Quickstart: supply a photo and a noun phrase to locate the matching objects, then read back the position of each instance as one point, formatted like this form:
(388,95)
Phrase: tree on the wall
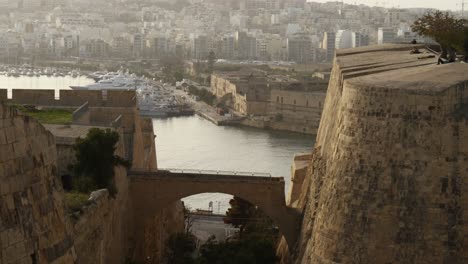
(211,61)
(240,213)
(96,160)
(444,28)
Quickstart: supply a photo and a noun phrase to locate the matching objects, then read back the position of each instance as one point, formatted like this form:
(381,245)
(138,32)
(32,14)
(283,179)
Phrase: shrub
(74,201)
(180,247)
(94,168)
(204,95)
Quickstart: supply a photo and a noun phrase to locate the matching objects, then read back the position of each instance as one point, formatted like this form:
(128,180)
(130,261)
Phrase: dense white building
(386,35)
(300,48)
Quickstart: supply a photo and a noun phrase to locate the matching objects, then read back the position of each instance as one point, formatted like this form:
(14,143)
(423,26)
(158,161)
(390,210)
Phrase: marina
(154,99)
(30,71)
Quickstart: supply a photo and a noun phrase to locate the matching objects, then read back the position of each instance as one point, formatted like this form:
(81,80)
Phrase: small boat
(13,73)
(74,74)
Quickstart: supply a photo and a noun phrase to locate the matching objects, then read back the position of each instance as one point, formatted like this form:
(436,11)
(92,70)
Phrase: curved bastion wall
(33,226)
(388,179)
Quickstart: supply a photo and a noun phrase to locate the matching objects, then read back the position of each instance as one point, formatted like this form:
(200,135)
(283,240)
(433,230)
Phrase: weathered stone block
(386,139)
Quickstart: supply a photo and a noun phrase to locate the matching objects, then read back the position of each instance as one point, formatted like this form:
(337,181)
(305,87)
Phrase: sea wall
(388,177)
(70,98)
(303,126)
(33,226)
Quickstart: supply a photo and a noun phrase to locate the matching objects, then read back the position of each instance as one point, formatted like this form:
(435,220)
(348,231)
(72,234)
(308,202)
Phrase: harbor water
(195,143)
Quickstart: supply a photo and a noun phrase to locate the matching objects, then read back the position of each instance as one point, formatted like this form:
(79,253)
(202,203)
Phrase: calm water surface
(195,143)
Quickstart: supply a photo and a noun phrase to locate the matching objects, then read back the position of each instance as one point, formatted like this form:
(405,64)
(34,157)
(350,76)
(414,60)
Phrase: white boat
(48,72)
(119,82)
(13,73)
(74,74)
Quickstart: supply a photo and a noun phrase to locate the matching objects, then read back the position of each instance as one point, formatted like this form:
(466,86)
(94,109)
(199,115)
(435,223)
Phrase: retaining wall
(70,98)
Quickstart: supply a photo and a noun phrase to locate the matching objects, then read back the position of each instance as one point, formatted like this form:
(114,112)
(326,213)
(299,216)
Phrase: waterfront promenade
(208,112)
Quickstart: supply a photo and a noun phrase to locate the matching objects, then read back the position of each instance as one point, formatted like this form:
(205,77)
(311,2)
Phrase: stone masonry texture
(32,221)
(388,180)
(34,227)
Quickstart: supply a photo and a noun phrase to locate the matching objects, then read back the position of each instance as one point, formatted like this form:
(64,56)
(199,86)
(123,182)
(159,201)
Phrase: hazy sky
(440,4)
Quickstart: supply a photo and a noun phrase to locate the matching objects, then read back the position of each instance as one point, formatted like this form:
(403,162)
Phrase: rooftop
(67,134)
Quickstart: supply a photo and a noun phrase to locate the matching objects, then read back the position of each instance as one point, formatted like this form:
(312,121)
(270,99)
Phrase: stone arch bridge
(152,191)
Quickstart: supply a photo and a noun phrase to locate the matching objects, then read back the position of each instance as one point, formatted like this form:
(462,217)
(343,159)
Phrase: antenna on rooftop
(463,8)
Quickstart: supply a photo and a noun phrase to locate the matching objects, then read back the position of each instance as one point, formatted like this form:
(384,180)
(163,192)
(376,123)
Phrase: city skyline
(443,5)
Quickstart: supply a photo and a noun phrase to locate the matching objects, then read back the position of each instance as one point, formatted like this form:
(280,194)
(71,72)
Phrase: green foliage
(211,61)
(251,221)
(205,95)
(246,251)
(95,161)
(172,68)
(228,67)
(84,184)
(443,28)
(257,245)
(240,213)
(47,116)
(74,201)
(178,76)
(180,248)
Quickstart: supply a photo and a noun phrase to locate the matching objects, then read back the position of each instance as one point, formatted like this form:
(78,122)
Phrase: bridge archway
(153,191)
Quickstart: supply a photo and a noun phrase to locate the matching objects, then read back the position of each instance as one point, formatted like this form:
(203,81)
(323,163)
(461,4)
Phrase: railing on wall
(117,122)
(205,172)
(78,113)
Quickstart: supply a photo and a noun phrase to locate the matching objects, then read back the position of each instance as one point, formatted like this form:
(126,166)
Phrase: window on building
(294,101)
(307,103)
(320,104)
(281,99)
(277,99)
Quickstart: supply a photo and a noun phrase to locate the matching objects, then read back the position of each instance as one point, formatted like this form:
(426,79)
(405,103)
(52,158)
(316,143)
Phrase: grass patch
(48,116)
(75,201)
(204,95)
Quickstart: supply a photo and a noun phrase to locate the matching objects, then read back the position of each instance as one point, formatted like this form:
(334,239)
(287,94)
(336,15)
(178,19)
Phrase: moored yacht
(118,82)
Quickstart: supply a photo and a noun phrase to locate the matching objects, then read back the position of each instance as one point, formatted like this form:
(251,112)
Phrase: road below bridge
(152,191)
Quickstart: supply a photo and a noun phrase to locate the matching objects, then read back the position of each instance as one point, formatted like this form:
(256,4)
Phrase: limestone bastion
(33,227)
(388,179)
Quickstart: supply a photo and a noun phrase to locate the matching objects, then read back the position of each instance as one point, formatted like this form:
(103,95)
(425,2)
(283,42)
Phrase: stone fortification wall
(103,230)
(33,226)
(102,227)
(71,98)
(43,97)
(388,178)
(298,174)
(148,142)
(158,229)
(3,95)
(104,116)
(290,109)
